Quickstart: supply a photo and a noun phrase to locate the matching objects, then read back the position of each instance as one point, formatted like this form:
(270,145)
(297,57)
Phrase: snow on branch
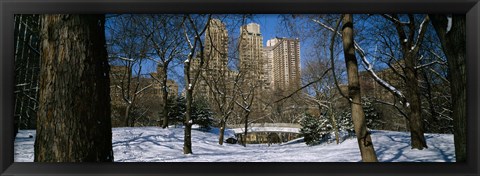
(428,64)
(439,75)
(143,89)
(369,66)
(319,102)
(23,84)
(186,37)
(245,108)
(421,33)
(122,58)
(449,26)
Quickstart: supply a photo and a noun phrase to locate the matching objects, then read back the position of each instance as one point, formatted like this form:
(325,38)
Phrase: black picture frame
(10,7)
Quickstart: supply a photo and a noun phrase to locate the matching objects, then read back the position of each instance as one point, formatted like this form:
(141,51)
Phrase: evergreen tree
(345,122)
(314,130)
(371,114)
(202,115)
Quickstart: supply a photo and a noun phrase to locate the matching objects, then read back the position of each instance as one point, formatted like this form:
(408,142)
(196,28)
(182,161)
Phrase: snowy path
(152,144)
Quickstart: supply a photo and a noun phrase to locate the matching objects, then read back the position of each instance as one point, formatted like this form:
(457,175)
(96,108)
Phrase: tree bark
(222,132)
(358,116)
(73,123)
(127,115)
(454,46)
(410,48)
(165,96)
(333,121)
(415,107)
(246,130)
(187,143)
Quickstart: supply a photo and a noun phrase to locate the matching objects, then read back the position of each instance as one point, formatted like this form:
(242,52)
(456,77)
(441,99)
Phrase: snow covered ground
(153,144)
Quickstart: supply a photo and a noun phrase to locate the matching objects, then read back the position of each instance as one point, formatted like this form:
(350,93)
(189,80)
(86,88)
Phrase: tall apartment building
(251,52)
(268,67)
(284,57)
(215,55)
(216,46)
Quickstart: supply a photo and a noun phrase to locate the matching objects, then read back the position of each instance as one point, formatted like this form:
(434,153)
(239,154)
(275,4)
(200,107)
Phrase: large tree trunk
(358,116)
(410,46)
(73,123)
(454,47)
(415,120)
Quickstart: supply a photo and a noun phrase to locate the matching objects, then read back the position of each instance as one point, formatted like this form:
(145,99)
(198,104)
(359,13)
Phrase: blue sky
(269,27)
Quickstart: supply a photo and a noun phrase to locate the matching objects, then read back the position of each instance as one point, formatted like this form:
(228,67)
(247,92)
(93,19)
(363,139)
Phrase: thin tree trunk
(187,144)
(73,123)
(246,130)
(127,116)
(454,47)
(358,116)
(222,132)
(165,97)
(334,124)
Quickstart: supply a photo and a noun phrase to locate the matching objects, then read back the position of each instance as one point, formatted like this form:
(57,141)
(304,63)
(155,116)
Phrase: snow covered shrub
(372,117)
(314,130)
(345,122)
(176,110)
(201,113)
(371,114)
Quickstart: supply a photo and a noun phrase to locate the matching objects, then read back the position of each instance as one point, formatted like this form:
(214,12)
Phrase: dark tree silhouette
(453,39)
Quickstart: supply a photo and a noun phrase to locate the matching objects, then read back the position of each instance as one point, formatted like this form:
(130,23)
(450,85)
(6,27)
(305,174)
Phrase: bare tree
(323,92)
(127,50)
(73,121)
(196,28)
(222,81)
(410,44)
(167,44)
(246,93)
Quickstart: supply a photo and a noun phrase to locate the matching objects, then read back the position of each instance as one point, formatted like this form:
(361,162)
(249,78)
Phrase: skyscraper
(251,52)
(285,72)
(215,58)
(216,46)
(268,68)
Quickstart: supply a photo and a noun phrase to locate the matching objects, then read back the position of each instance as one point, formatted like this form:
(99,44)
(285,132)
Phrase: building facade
(156,90)
(215,60)
(284,57)
(251,54)
(268,68)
